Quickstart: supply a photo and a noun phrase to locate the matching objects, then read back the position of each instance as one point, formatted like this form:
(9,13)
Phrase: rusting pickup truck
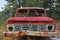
(30,22)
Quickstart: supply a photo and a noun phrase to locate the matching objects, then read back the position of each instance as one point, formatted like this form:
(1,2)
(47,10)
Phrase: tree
(52,12)
(8,10)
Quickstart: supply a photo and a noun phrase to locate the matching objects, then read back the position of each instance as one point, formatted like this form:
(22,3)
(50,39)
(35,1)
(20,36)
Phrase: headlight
(49,27)
(10,27)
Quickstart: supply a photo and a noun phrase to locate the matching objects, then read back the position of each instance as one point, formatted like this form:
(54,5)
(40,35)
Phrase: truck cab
(30,21)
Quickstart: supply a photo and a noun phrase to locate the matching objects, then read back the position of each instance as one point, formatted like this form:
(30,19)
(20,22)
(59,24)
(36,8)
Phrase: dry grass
(2,37)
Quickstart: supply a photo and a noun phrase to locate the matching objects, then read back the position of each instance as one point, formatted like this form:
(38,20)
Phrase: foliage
(12,5)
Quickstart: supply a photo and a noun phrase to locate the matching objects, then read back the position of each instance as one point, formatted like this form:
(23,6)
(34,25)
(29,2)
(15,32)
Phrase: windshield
(23,13)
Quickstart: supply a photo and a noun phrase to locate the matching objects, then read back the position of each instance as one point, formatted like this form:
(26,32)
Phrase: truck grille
(30,27)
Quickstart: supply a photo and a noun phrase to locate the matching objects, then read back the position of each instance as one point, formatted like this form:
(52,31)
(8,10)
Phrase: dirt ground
(58,28)
(57,25)
(7,38)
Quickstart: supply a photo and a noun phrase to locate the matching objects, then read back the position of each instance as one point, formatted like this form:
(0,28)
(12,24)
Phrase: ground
(7,38)
(58,28)
(2,37)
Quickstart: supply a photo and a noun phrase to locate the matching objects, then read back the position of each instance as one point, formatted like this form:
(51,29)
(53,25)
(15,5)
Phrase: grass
(2,29)
(2,37)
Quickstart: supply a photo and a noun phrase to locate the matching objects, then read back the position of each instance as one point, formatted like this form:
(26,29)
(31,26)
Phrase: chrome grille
(38,27)
(17,27)
(30,27)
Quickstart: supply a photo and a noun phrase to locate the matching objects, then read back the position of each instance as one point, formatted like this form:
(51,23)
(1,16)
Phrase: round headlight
(10,28)
(50,28)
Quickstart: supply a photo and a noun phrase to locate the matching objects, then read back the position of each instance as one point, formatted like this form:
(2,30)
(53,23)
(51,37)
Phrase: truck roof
(32,8)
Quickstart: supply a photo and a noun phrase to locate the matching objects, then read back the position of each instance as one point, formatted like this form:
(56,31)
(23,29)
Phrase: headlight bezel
(10,25)
(53,26)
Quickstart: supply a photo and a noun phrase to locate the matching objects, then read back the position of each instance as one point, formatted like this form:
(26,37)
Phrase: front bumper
(14,34)
(44,34)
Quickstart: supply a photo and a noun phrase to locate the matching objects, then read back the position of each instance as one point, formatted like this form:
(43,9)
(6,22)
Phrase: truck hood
(30,19)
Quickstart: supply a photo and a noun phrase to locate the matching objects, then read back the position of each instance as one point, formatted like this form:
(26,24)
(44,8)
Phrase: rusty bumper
(16,34)
(44,34)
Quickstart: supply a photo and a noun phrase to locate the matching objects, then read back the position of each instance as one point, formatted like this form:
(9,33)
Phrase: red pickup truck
(30,22)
